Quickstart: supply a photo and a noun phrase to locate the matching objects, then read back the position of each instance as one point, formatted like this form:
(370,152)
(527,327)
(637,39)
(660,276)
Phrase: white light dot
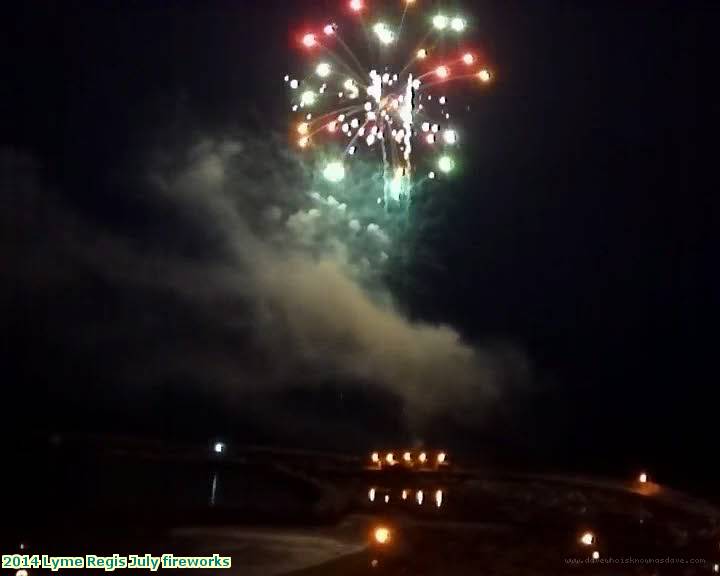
(457,24)
(440,22)
(323,70)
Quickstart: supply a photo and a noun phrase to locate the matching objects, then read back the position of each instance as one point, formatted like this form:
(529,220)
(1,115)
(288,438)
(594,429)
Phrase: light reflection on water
(213,488)
(406,496)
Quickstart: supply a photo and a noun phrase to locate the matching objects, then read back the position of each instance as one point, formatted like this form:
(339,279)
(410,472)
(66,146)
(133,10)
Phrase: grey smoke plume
(307,263)
(282,283)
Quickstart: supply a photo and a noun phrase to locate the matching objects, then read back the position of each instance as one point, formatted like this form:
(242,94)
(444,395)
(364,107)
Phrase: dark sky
(580,230)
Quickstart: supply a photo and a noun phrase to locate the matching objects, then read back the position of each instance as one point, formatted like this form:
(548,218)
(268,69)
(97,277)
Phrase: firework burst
(387,99)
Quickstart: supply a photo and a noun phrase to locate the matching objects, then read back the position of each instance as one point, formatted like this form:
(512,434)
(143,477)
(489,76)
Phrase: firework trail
(393,108)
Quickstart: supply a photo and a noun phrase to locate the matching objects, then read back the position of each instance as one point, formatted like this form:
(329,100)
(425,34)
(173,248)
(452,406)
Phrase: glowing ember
(323,70)
(334,172)
(440,22)
(446,164)
(484,76)
(457,24)
(382,535)
(307,98)
(384,33)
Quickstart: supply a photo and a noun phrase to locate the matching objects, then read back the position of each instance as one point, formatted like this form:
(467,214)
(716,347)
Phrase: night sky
(578,234)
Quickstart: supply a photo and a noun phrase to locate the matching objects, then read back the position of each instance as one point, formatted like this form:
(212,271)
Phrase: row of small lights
(406,457)
(419,496)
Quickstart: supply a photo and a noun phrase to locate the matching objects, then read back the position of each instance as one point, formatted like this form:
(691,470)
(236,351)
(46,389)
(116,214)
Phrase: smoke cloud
(309,268)
(281,281)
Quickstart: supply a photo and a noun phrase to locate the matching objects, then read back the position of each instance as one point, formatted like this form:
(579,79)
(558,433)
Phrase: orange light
(468,59)
(375,457)
(407,457)
(484,76)
(371,494)
(643,478)
(441,458)
(439,498)
(442,72)
(422,54)
(390,458)
(587,539)
(382,535)
(404,494)
(422,457)
(303,142)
